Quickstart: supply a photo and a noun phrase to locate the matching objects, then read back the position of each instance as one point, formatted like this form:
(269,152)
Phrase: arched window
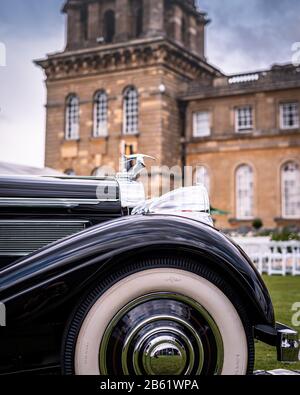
(72,118)
(139,22)
(244,192)
(290,187)
(131,111)
(202,177)
(109,26)
(100,115)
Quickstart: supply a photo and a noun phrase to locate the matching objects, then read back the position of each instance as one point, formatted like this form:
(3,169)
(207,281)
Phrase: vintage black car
(90,287)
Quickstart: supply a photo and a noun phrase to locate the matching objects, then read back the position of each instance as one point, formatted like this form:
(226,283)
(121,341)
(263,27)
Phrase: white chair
(256,253)
(295,258)
(272,257)
(277,259)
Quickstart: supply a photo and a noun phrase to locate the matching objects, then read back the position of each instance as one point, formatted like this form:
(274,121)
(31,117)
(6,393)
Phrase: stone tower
(117,84)
(94,22)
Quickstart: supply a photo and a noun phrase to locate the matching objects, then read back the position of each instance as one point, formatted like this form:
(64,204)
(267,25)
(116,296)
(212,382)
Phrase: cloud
(29,29)
(30,18)
(22,100)
(243,36)
(253,34)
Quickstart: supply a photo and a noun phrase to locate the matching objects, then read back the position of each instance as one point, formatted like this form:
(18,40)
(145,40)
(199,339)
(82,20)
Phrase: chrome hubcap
(161,334)
(164,355)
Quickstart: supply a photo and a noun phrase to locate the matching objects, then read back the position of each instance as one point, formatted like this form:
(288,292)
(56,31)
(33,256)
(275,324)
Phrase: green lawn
(285,291)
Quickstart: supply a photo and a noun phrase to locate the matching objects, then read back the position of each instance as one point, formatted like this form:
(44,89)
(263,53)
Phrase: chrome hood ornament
(132,192)
(133,172)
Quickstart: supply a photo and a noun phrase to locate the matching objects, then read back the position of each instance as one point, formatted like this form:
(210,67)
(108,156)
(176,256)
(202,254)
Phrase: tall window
(243,119)
(131,111)
(139,22)
(184,33)
(109,26)
(72,118)
(84,16)
(201,124)
(290,181)
(289,116)
(128,149)
(100,115)
(244,192)
(202,177)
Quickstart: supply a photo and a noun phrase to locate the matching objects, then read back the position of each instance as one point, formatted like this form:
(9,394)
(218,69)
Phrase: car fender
(50,276)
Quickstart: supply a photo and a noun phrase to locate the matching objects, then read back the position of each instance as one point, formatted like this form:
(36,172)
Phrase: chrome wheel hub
(164,355)
(161,334)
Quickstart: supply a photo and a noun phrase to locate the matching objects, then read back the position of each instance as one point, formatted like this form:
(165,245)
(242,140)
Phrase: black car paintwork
(97,200)
(41,290)
(48,278)
(59,187)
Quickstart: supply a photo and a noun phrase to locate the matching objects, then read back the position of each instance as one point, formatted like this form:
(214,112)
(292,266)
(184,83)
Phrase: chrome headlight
(191,202)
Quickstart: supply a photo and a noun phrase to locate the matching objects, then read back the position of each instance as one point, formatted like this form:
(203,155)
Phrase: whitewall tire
(166,320)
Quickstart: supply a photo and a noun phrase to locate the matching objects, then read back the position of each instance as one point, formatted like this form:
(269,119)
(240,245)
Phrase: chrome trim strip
(50,202)
(43,221)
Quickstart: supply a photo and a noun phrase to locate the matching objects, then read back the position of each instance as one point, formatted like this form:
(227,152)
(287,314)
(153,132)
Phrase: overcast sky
(244,35)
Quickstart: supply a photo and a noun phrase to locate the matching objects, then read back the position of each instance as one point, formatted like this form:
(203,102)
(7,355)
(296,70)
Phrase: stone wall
(159,18)
(166,64)
(159,133)
(266,149)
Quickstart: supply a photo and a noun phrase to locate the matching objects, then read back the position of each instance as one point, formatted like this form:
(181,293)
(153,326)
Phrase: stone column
(153,17)
(200,42)
(193,34)
(177,23)
(122,20)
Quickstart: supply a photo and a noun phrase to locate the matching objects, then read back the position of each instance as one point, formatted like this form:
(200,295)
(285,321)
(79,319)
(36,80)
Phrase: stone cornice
(117,57)
(277,78)
(211,92)
(71,4)
(252,141)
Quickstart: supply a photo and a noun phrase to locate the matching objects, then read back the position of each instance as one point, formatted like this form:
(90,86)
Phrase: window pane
(100,115)
(291,190)
(289,116)
(202,177)
(72,118)
(109,26)
(201,124)
(131,111)
(244,192)
(244,119)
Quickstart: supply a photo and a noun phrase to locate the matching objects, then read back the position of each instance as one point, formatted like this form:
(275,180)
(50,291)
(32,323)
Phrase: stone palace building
(134,78)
